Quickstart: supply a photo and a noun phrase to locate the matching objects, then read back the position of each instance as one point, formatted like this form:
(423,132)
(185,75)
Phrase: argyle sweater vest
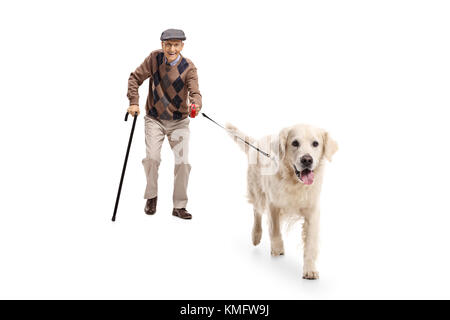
(170,87)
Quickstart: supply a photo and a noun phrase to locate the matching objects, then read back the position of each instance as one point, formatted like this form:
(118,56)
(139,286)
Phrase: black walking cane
(124,165)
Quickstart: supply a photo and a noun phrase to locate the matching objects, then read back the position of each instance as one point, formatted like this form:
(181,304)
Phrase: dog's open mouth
(306,175)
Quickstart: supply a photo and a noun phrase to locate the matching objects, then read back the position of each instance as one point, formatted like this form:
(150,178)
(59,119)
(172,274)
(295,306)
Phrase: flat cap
(173,34)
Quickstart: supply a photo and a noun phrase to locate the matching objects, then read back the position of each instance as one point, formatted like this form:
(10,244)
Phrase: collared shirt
(174,62)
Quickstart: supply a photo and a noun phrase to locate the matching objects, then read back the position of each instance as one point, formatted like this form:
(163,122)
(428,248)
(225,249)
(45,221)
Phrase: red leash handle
(193,111)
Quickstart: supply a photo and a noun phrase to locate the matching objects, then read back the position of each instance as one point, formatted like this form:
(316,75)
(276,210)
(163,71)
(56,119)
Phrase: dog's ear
(282,139)
(329,146)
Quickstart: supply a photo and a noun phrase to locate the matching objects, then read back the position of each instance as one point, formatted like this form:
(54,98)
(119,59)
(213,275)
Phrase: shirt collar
(174,62)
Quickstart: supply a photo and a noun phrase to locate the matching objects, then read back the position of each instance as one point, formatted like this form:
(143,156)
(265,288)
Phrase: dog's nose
(306,161)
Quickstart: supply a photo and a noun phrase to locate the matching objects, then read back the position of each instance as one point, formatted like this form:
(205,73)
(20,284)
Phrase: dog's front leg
(310,237)
(276,242)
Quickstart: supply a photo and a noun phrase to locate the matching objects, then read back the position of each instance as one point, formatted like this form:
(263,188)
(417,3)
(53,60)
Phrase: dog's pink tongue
(308,178)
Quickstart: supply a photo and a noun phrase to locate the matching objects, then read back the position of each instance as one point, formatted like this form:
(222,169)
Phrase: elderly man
(173,92)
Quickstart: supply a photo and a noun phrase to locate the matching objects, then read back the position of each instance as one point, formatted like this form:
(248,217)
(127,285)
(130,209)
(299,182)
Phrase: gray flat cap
(173,34)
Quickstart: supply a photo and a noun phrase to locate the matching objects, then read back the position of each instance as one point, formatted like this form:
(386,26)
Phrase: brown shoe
(150,206)
(181,213)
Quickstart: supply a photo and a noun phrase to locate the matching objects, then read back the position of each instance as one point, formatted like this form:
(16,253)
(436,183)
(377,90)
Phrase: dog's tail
(235,132)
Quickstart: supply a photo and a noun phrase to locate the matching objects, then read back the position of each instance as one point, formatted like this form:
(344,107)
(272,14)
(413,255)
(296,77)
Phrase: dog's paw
(311,275)
(256,237)
(277,252)
(277,248)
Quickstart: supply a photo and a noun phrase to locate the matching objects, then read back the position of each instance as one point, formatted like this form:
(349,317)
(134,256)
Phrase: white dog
(288,185)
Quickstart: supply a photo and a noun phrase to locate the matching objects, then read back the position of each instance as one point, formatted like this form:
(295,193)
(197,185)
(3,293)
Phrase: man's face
(172,49)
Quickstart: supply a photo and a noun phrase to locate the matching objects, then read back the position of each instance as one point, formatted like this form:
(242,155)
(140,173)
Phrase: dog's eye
(295,143)
(315,144)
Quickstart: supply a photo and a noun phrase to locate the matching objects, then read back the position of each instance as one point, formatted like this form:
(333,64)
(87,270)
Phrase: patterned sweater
(169,87)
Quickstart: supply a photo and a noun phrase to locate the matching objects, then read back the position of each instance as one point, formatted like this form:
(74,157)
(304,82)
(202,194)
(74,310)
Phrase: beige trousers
(177,133)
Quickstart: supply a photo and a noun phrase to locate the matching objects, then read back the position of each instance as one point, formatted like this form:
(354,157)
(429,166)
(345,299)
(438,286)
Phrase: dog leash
(256,148)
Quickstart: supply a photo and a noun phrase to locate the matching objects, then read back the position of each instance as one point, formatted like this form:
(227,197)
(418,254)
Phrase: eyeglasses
(172,44)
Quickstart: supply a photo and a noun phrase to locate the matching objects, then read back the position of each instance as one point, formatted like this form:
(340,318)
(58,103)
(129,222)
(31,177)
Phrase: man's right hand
(132,109)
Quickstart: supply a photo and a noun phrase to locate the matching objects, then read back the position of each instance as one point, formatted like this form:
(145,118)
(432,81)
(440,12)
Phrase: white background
(375,74)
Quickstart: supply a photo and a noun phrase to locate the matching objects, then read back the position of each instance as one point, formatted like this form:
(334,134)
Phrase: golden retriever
(287,186)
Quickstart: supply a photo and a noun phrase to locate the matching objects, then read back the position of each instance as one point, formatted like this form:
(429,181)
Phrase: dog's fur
(276,187)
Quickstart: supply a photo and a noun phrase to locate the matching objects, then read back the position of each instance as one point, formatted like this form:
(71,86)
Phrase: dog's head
(303,148)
